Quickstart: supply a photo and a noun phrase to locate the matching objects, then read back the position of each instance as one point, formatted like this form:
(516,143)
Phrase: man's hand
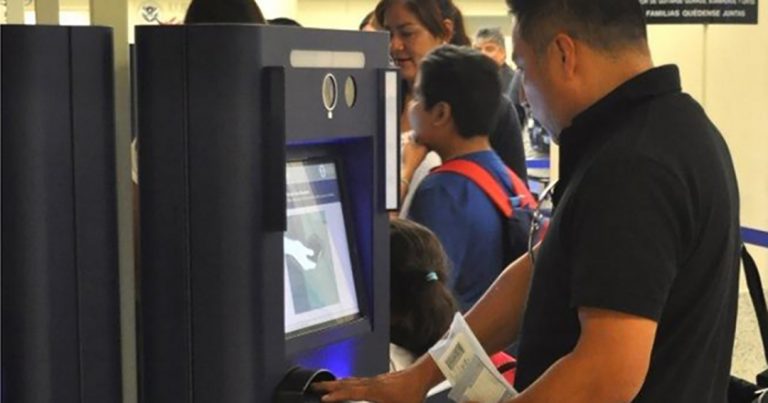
(396,387)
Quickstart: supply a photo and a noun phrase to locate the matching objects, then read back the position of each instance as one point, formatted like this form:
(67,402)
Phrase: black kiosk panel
(60,307)
(263,223)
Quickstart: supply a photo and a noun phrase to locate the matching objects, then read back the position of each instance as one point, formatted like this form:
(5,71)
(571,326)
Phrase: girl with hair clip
(421,304)
(417,27)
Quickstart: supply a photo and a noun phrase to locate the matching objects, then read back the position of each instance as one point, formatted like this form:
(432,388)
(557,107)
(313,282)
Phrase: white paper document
(468,368)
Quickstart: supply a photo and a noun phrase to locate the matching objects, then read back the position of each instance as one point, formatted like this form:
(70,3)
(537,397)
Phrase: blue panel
(539,163)
(338,358)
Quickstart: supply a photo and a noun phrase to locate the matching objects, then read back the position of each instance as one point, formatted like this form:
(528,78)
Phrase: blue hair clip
(431,276)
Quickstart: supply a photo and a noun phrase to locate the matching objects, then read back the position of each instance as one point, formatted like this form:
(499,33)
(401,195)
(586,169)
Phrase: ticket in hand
(468,368)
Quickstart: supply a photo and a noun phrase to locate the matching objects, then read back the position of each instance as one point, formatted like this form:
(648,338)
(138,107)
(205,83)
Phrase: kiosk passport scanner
(267,161)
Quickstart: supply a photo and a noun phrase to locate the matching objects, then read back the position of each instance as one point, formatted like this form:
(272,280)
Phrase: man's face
(539,83)
(492,50)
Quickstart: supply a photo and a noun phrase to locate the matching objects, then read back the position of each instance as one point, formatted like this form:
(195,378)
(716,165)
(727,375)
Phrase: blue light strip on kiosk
(754,236)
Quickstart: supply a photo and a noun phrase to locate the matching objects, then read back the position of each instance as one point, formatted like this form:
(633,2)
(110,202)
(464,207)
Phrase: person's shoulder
(436,186)
(488,159)
(667,112)
(459,189)
(672,130)
(447,188)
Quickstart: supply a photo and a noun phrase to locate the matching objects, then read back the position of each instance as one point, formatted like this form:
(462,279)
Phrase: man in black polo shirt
(633,296)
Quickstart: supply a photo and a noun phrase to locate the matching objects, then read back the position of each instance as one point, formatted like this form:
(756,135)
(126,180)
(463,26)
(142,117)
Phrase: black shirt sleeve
(629,227)
(507,140)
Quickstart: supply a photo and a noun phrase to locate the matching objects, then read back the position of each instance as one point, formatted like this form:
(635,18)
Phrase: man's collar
(651,83)
(592,127)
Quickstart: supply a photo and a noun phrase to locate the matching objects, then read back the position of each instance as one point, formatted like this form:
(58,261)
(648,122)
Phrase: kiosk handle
(273,150)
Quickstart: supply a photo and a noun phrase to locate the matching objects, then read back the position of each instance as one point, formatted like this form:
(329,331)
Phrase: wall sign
(700,11)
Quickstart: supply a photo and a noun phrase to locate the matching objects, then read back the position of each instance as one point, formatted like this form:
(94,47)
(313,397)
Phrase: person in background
(369,23)
(283,21)
(635,287)
(224,11)
(421,304)
(490,41)
(416,27)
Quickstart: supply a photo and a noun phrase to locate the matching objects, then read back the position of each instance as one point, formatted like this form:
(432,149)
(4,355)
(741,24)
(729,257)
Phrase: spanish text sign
(700,11)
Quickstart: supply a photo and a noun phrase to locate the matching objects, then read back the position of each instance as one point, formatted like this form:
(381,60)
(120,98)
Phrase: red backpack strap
(506,364)
(526,198)
(477,174)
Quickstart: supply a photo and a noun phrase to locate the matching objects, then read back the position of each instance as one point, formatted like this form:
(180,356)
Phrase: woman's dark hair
(431,14)
(366,20)
(223,11)
(421,305)
(466,80)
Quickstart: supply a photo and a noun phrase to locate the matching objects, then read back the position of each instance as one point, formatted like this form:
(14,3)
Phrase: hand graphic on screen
(301,253)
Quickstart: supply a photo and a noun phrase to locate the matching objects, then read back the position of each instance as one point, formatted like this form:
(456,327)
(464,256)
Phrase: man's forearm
(426,372)
(568,380)
(608,364)
(495,319)
(576,379)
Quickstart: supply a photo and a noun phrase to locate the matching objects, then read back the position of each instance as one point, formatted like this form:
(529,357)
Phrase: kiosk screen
(319,282)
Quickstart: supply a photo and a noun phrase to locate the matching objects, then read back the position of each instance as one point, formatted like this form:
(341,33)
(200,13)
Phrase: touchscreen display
(319,282)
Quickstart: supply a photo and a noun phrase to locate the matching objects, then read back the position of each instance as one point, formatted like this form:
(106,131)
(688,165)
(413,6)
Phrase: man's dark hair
(607,25)
(431,14)
(224,11)
(466,80)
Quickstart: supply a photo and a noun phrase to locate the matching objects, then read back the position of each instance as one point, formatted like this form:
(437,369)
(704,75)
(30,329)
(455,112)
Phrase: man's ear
(565,50)
(442,114)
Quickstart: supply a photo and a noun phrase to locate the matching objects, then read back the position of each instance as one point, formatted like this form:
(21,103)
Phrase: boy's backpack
(506,365)
(518,208)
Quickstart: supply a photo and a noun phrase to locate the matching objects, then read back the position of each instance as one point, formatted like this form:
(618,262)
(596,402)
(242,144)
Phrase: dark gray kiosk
(264,232)
(60,296)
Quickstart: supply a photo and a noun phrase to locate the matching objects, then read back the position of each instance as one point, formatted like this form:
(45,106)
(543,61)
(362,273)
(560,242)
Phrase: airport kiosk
(60,295)
(264,230)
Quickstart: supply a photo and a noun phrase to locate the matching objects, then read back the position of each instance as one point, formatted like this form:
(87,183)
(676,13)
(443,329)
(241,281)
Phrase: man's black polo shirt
(646,223)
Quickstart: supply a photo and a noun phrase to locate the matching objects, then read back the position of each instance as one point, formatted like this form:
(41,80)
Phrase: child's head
(456,96)
(421,306)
